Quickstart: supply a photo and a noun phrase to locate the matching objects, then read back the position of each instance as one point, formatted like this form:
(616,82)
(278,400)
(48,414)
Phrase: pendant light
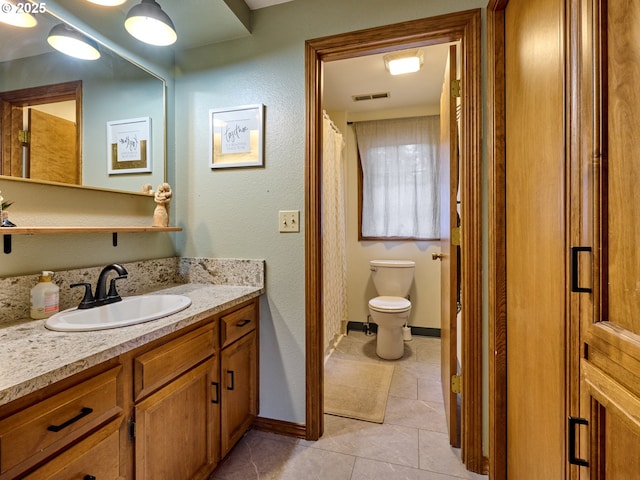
(71,42)
(108,3)
(148,23)
(10,15)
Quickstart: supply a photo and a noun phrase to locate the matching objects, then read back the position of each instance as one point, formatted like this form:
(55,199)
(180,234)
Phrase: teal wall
(233,212)
(228,213)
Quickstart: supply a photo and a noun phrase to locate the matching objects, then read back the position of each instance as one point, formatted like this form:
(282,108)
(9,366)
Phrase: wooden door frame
(24,97)
(497,236)
(462,26)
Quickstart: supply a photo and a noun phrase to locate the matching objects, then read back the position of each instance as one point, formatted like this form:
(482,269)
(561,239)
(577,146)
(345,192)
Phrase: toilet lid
(390,304)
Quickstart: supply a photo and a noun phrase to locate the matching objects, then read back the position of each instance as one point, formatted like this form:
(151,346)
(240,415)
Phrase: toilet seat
(385,304)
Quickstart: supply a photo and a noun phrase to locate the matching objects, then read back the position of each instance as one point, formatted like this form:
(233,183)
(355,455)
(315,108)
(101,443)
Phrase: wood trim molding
(462,26)
(288,429)
(313,246)
(58,92)
(497,240)
(471,282)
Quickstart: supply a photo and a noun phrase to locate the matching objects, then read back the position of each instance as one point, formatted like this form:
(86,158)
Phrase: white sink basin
(130,311)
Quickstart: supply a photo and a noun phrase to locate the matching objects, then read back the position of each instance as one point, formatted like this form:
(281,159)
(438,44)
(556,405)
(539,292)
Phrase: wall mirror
(94,123)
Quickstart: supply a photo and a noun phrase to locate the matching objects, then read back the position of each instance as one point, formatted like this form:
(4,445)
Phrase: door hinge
(456,236)
(456,88)
(456,384)
(24,136)
(573,423)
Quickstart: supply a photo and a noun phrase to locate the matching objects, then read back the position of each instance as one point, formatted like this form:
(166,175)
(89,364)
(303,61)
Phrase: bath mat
(356,389)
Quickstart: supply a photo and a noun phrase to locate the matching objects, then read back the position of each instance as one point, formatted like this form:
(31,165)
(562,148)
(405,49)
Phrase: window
(399,191)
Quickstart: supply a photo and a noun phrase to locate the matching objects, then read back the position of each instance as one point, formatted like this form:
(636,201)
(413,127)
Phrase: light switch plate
(289,220)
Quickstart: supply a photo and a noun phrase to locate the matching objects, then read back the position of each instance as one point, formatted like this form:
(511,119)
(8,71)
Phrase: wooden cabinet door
(610,312)
(239,389)
(177,428)
(535,237)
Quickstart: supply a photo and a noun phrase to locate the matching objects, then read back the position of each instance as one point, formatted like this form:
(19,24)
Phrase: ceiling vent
(370,96)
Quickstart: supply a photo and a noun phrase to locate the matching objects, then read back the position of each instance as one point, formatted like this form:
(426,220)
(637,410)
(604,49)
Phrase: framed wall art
(236,136)
(129,146)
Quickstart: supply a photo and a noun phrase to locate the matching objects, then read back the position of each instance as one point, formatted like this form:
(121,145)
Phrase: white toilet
(390,311)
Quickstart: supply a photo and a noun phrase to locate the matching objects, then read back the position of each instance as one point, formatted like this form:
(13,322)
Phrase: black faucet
(102,297)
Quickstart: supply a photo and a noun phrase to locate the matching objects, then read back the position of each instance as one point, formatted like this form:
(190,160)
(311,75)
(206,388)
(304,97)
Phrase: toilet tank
(392,277)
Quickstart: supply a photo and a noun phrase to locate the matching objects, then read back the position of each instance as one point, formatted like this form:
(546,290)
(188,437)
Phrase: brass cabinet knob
(437,256)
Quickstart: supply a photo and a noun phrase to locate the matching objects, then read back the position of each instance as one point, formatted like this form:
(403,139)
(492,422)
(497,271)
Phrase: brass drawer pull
(242,323)
(83,413)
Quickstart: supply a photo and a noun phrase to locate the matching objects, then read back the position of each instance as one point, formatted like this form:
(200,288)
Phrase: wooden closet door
(536,246)
(610,312)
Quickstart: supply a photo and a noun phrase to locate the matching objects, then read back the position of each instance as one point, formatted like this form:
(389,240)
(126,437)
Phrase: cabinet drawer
(238,323)
(159,366)
(51,424)
(96,456)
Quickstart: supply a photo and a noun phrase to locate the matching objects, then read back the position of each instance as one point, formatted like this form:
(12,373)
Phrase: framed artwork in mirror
(236,136)
(129,146)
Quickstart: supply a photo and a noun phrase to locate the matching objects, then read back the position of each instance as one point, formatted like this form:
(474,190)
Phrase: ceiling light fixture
(71,42)
(398,63)
(148,23)
(10,15)
(108,3)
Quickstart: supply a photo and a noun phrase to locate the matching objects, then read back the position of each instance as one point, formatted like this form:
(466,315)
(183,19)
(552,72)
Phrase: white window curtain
(400,171)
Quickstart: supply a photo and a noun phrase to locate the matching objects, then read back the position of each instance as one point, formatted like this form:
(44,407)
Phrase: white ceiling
(256,4)
(367,75)
(203,22)
(198,22)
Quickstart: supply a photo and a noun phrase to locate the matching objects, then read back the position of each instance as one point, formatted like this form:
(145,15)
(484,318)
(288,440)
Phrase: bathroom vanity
(164,399)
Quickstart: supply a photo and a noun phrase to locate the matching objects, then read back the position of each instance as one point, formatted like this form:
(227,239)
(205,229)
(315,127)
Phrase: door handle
(573,423)
(575,282)
(437,256)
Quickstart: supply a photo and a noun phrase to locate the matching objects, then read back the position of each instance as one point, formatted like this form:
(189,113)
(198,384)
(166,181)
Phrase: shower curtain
(334,258)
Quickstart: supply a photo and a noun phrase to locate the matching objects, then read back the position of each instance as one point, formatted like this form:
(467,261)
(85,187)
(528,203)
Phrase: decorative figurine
(4,214)
(162,198)
(147,188)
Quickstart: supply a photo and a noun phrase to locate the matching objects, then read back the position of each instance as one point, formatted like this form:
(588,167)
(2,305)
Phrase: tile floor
(411,444)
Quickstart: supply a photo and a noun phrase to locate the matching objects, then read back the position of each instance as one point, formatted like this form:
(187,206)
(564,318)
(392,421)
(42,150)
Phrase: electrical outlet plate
(289,220)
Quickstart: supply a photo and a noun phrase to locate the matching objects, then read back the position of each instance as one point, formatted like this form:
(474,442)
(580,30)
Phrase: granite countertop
(33,357)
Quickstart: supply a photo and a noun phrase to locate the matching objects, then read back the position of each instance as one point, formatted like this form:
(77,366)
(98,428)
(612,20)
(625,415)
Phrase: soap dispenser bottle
(44,297)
